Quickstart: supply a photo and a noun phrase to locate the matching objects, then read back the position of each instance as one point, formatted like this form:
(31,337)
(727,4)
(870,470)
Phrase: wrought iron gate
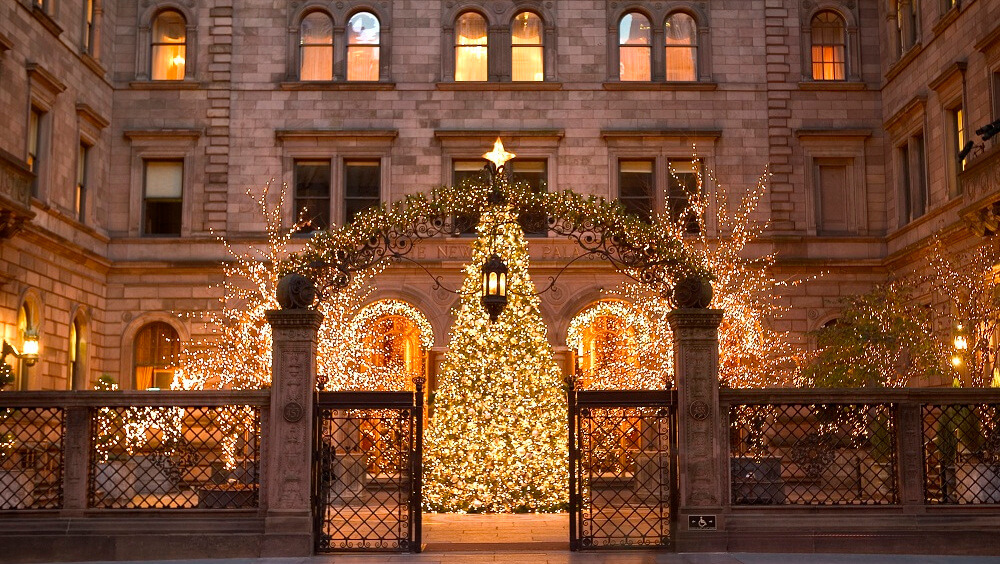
(367,476)
(623,468)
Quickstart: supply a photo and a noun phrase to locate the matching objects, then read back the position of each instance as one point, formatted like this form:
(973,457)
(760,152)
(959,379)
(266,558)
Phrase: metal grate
(812,454)
(962,453)
(174,457)
(366,479)
(31,458)
(621,465)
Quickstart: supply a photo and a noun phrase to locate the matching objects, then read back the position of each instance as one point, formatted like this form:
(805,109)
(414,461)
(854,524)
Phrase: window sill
(164,85)
(479,86)
(331,85)
(46,21)
(832,85)
(660,85)
(93,64)
(903,61)
(946,19)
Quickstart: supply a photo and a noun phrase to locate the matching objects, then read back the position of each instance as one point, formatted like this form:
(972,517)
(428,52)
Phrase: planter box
(757,481)
(15,490)
(977,483)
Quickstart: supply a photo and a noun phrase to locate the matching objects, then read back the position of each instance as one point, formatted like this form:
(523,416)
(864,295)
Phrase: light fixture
(494,297)
(30,353)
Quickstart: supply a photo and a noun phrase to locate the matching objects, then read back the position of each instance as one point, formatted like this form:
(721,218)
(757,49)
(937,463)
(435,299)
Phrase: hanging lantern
(29,352)
(494,286)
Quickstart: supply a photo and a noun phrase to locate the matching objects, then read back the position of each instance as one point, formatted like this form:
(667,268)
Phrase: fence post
(76,459)
(909,447)
(701,458)
(288,520)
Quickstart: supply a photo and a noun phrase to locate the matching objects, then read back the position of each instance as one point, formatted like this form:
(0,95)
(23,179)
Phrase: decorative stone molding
(15,195)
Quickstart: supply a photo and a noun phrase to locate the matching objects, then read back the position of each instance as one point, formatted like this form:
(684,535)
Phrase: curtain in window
(157,347)
(682,47)
(828,46)
(363,32)
(169,46)
(470,48)
(634,41)
(527,57)
(316,47)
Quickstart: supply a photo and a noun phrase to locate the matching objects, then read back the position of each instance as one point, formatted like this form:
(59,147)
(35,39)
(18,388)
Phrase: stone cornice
(335,134)
(86,112)
(916,104)
(855,133)
(44,78)
(294,319)
(957,68)
(133,134)
(661,133)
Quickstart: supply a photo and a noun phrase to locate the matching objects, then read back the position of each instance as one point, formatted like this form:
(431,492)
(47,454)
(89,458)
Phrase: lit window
(828,39)
(682,184)
(169,46)
(470,172)
(312,193)
(363,47)
(958,127)
(80,196)
(634,47)
(34,147)
(470,48)
(527,55)
(316,47)
(682,47)
(77,351)
(157,348)
(636,187)
(89,27)
(164,186)
(362,186)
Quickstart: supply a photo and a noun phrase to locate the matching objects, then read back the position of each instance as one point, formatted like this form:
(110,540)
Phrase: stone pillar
(288,524)
(701,456)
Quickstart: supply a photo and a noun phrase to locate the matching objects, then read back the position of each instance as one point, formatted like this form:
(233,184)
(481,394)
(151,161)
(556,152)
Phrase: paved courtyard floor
(544,539)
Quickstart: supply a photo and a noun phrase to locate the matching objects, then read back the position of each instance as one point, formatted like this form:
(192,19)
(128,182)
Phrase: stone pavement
(544,539)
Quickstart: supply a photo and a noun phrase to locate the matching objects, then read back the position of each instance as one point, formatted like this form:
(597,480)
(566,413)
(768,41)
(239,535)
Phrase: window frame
(78,377)
(848,14)
(300,59)
(90,35)
(815,42)
(176,144)
(146,200)
(348,45)
(524,46)
(144,51)
(825,146)
(694,46)
(340,13)
(155,323)
(658,14)
(154,44)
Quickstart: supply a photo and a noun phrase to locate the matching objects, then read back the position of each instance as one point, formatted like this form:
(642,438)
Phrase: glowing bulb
(960,343)
(30,347)
(956,361)
(498,156)
(177,61)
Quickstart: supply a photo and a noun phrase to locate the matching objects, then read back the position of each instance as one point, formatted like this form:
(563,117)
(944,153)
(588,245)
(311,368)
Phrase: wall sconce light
(30,353)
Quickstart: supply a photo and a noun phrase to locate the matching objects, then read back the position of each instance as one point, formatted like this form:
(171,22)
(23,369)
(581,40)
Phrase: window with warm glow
(363,38)
(89,31)
(527,54)
(316,47)
(634,47)
(34,147)
(393,345)
(169,47)
(682,47)
(162,197)
(80,196)
(362,186)
(156,350)
(77,351)
(682,184)
(828,46)
(470,48)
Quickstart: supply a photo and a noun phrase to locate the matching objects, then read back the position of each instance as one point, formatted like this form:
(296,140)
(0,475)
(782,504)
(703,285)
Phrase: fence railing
(131,450)
(863,446)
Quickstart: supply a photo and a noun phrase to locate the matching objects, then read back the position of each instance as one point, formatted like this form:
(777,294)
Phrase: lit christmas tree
(497,439)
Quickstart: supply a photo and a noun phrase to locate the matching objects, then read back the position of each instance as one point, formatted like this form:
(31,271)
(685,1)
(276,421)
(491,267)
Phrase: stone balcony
(15,195)
(980,183)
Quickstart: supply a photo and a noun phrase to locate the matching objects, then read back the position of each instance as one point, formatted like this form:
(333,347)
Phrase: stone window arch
(527,51)
(830,45)
(316,47)
(471,47)
(79,351)
(672,35)
(364,44)
(338,42)
(635,47)
(681,44)
(155,355)
(166,48)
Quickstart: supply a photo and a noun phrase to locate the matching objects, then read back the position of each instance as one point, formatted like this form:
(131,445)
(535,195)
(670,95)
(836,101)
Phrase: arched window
(527,50)
(27,329)
(156,350)
(682,47)
(828,46)
(169,46)
(634,47)
(470,48)
(316,47)
(363,37)
(77,354)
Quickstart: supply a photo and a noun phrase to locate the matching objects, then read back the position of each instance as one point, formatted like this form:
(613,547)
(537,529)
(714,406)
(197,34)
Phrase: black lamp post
(494,286)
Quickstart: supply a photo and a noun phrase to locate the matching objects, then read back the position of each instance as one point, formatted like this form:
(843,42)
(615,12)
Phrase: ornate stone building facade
(134,129)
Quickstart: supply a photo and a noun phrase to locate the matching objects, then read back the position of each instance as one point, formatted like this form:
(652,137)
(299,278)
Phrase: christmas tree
(497,439)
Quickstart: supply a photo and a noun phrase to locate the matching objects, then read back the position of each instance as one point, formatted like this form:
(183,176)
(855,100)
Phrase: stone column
(701,457)
(288,525)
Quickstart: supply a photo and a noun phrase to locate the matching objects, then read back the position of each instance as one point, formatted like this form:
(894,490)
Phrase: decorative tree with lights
(497,439)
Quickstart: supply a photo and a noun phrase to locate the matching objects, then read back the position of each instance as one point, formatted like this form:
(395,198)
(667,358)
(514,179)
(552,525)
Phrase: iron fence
(367,480)
(170,457)
(31,458)
(812,454)
(961,453)
(622,468)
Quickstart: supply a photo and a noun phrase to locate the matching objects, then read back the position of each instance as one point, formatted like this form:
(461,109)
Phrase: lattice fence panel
(813,454)
(624,478)
(962,453)
(365,479)
(31,457)
(174,457)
